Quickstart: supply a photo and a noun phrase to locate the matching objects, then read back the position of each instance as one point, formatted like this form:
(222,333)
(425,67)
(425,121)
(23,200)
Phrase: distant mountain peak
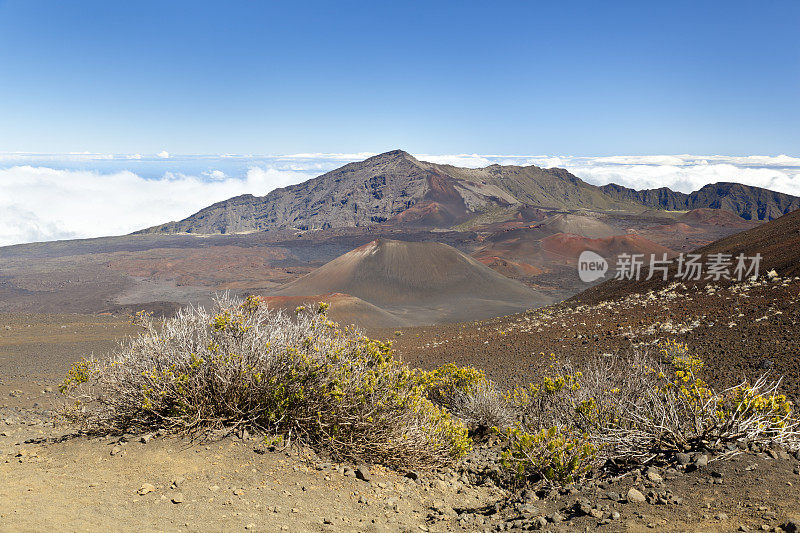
(393,155)
(395,188)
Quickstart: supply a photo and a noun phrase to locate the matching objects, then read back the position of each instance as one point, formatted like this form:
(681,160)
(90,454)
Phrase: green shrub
(551,455)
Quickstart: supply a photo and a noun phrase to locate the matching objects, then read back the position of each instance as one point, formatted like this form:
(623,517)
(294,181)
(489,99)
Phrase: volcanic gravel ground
(739,330)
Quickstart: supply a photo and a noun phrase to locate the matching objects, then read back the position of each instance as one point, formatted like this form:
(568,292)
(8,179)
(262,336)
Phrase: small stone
(653,475)
(683,458)
(701,460)
(213,488)
(635,495)
(362,473)
(146,488)
(177,498)
(391,503)
(529,510)
(238,492)
(250,526)
(441,485)
(413,476)
(583,508)
(144,439)
(720,516)
(615,515)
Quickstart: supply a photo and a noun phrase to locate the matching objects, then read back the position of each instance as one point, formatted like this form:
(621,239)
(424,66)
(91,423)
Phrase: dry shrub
(636,408)
(243,364)
(650,406)
(468,395)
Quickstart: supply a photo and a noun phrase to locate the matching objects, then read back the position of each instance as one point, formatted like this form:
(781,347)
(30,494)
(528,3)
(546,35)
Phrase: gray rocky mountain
(395,188)
(750,203)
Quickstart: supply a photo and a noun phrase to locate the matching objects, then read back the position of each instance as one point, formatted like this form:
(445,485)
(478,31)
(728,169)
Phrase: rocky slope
(778,243)
(395,188)
(419,282)
(750,203)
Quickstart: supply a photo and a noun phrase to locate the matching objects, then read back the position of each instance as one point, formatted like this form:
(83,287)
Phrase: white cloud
(687,173)
(40,203)
(163,154)
(215,175)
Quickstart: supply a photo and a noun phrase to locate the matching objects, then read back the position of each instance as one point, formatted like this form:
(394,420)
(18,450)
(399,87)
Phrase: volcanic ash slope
(422,282)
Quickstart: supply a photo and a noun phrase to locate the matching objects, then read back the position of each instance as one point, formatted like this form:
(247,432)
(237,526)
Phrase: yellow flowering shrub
(552,455)
(301,377)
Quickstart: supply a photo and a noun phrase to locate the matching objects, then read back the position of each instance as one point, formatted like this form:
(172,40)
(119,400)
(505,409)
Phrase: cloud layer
(41,203)
(65,196)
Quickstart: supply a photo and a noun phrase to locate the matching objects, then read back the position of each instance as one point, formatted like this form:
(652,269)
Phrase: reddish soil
(569,246)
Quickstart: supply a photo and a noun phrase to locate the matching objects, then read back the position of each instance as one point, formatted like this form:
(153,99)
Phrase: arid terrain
(56,478)
(468,273)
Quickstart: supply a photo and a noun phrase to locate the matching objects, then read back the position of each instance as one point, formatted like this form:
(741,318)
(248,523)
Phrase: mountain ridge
(735,197)
(395,188)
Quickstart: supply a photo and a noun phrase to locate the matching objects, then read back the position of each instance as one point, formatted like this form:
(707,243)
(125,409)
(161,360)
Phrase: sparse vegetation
(306,379)
(301,377)
(636,409)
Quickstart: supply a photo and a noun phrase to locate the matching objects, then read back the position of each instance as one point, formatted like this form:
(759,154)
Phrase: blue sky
(582,78)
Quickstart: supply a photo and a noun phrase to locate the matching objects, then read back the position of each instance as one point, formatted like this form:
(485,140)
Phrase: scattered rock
(177,498)
(635,495)
(362,473)
(683,458)
(146,488)
(653,475)
(539,522)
